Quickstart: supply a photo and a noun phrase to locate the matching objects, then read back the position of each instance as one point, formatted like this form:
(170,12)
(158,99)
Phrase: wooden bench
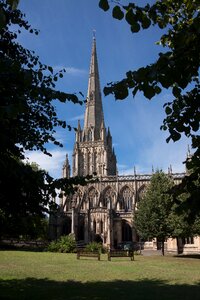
(85,253)
(121,253)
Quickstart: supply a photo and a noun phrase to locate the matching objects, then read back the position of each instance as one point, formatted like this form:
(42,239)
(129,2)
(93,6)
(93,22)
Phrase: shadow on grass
(33,289)
(197,256)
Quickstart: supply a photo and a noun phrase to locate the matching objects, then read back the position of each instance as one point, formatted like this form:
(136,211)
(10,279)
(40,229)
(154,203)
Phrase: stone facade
(104,210)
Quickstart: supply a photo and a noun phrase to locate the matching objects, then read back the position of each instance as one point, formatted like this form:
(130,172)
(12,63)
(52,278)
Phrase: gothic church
(104,210)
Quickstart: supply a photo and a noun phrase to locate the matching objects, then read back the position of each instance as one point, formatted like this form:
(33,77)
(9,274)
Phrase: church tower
(93,151)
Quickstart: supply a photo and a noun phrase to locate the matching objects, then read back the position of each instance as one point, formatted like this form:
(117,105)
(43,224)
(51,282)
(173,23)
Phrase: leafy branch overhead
(177,68)
(27,90)
(28,120)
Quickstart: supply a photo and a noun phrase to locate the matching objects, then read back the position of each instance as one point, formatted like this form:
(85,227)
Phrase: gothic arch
(126,231)
(126,198)
(141,191)
(93,196)
(78,198)
(108,194)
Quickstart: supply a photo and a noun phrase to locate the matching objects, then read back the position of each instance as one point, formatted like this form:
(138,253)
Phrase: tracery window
(126,199)
(93,197)
(108,198)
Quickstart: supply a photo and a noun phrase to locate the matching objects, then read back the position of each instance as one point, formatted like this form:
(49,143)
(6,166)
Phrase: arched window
(108,198)
(93,197)
(126,199)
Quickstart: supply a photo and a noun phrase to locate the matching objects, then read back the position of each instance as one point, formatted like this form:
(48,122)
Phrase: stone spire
(94,111)
(66,168)
(93,152)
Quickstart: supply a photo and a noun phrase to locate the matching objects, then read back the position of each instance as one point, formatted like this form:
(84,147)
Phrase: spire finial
(94,34)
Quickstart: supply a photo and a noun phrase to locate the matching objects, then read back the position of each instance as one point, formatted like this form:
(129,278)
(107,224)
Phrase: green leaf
(117,13)
(40,75)
(168,110)
(135,27)
(195,125)
(158,90)
(50,69)
(175,136)
(176,91)
(103,4)
(130,17)
(121,91)
(107,90)
(2,18)
(146,22)
(81,94)
(149,92)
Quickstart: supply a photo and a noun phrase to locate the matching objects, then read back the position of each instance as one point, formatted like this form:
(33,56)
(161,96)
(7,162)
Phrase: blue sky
(65,40)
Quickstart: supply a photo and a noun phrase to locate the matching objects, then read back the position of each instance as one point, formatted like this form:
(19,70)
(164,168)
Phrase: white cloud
(60,135)
(159,155)
(51,164)
(76,118)
(70,70)
(147,143)
(121,167)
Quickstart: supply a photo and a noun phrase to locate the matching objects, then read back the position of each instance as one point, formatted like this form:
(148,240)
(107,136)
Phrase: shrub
(94,246)
(53,247)
(66,244)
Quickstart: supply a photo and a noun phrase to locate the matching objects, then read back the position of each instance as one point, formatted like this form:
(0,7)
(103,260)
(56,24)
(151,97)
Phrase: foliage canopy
(177,68)
(154,208)
(27,122)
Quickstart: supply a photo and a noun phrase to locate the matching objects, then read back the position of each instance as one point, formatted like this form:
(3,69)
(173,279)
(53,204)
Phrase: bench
(121,253)
(85,253)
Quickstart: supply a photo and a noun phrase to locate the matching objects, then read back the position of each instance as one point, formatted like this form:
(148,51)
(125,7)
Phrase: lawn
(58,276)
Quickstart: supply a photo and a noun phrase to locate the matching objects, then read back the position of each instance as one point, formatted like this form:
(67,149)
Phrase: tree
(25,194)
(186,201)
(177,68)
(153,211)
(27,122)
(27,89)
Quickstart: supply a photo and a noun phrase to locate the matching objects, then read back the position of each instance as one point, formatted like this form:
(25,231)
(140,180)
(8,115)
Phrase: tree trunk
(163,247)
(179,246)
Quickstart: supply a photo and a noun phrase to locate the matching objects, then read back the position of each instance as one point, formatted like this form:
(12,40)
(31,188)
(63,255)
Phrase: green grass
(35,275)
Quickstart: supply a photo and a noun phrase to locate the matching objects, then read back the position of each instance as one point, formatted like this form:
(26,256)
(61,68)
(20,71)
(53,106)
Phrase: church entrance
(126,232)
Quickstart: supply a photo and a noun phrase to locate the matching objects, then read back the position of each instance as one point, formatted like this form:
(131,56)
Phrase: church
(102,211)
